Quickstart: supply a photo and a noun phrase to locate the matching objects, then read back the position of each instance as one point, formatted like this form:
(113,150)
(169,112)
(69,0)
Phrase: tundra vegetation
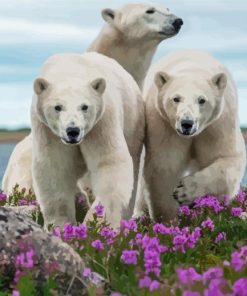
(204,252)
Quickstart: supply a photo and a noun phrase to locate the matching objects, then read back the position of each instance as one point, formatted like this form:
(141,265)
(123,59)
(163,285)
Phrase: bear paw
(184,192)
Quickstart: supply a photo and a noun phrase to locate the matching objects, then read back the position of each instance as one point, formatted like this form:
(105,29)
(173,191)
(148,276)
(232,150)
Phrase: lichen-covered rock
(19,234)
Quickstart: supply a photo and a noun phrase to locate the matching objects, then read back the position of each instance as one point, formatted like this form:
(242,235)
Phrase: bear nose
(73,132)
(187,125)
(177,24)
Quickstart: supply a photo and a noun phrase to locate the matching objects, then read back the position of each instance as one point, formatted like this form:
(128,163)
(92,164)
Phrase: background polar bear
(131,36)
(92,101)
(192,117)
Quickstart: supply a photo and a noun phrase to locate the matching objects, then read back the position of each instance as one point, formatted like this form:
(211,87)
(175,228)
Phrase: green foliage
(181,245)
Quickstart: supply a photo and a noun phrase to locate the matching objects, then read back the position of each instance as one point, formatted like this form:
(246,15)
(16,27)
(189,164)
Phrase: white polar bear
(91,101)
(192,125)
(131,36)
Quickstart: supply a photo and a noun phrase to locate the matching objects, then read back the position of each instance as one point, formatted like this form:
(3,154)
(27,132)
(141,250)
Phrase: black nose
(73,132)
(187,125)
(177,24)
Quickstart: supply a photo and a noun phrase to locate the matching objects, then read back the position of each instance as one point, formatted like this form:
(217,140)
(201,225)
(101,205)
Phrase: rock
(19,234)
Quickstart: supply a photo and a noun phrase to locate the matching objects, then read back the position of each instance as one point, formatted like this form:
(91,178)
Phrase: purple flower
(161,228)
(108,232)
(97,244)
(81,199)
(236,212)
(25,259)
(209,202)
(15,293)
(221,236)
(99,210)
(191,293)
(212,273)
(184,210)
(68,232)
(194,237)
(80,231)
(154,286)
(226,200)
(241,196)
(3,197)
(138,239)
(128,225)
(57,231)
(208,224)
(145,282)
(188,276)
(22,202)
(116,294)
(240,287)
(152,261)
(129,257)
(215,287)
(239,258)
(179,242)
(87,272)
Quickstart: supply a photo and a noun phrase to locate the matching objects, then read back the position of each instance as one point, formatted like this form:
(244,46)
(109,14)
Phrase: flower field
(203,253)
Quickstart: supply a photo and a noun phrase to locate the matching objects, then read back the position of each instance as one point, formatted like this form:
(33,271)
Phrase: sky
(31,31)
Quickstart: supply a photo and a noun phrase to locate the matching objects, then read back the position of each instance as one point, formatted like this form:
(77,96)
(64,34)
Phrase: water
(5,152)
(6,149)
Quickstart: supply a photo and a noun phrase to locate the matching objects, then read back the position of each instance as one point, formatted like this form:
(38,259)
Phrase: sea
(7,148)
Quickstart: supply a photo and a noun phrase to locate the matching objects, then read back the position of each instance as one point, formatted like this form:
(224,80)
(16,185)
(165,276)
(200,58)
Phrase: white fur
(131,39)
(111,143)
(131,36)
(216,148)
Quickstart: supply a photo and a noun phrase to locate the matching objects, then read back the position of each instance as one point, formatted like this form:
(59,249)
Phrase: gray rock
(18,234)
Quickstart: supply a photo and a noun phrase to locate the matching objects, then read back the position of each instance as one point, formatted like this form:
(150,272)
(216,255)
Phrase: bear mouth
(71,142)
(166,34)
(186,133)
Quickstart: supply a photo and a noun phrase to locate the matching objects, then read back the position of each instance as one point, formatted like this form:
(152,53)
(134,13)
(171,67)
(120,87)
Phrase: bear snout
(73,133)
(177,24)
(187,125)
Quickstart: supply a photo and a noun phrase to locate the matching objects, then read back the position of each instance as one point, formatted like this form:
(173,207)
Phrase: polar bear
(131,36)
(86,105)
(194,144)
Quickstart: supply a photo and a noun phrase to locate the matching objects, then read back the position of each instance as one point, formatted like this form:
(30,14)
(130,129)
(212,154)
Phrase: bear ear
(40,85)
(220,81)
(160,79)
(99,85)
(108,15)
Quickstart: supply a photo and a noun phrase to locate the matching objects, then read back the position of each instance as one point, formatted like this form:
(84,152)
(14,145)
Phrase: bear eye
(58,108)
(84,108)
(201,101)
(176,99)
(150,11)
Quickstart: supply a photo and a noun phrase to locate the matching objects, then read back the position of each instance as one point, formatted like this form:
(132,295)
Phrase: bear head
(70,108)
(142,21)
(191,102)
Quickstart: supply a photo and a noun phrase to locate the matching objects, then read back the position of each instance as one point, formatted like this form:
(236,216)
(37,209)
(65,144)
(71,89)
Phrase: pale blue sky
(31,31)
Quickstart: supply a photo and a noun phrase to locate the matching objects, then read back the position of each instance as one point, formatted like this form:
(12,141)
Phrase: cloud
(14,31)
(15,104)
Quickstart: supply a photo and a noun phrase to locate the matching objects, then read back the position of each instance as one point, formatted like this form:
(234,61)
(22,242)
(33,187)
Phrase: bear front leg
(221,177)
(162,171)
(54,176)
(111,170)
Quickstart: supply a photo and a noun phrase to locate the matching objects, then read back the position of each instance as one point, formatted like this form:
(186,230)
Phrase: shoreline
(17,136)
(12,137)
